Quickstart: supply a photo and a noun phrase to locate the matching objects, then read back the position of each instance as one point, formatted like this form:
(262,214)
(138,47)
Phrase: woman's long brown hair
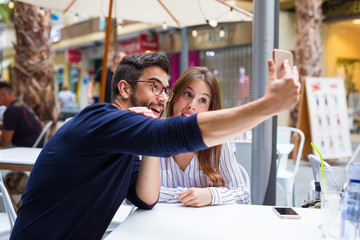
(209,158)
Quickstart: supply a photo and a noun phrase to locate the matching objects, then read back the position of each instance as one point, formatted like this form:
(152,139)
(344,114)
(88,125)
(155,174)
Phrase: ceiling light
(164,26)
(42,12)
(11,4)
(194,33)
(231,12)
(212,23)
(221,32)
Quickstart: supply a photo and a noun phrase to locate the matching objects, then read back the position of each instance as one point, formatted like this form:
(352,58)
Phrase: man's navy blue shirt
(90,165)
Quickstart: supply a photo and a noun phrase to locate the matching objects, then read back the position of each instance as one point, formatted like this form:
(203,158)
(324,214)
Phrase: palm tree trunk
(309,45)
(34,63)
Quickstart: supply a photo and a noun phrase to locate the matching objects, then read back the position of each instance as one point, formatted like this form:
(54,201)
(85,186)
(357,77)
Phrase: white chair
(285,177)
(8,205)
(6,226)
(121,214)
(68,119)
(242,149)
(44,134)
(314,192)
(246,177)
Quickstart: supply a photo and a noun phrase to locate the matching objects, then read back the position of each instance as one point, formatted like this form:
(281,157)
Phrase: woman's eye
(187,94)
(203,100)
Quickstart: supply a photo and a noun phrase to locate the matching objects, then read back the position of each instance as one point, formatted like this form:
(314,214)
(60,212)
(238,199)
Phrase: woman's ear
(124,89)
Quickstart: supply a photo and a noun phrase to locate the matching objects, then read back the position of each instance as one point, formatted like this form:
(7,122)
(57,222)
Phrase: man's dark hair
(132,67)
(6,86)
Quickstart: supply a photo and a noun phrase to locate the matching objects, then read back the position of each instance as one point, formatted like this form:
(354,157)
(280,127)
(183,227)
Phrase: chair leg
(289,192)
(293,196)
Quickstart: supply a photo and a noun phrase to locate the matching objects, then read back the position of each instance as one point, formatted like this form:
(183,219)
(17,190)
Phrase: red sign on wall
(142,44)
(73,55)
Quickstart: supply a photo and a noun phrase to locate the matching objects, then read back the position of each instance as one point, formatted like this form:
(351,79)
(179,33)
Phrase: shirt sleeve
(170,195)
(11,118)
(235,190)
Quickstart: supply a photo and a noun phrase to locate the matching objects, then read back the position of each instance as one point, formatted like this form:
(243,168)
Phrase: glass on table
(335,178)
(330,214)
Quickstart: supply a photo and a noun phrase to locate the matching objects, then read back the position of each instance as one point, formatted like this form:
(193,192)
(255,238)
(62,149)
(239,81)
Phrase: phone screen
(286,212)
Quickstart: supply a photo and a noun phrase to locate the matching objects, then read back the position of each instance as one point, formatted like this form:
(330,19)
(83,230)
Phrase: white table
(174,221)
(18,158)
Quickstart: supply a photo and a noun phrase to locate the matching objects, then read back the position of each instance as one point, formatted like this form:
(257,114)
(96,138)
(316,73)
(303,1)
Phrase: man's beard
(136,103)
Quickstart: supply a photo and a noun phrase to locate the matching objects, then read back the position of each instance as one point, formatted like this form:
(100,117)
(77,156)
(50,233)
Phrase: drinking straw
(322,167)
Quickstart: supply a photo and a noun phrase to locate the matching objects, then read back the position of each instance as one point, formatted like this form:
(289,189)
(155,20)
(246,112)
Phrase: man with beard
(91,164)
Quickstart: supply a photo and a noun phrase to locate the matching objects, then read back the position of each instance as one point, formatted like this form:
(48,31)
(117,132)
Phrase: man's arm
(6,137)
(281,95)
(148,182)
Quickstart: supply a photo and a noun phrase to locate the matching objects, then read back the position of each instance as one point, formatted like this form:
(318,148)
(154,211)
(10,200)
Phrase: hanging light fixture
(194,33)
(11,4)
(222,32)
(76,17)
(212,23)
(119,23)
(231,12)
(42,11)
(164,26)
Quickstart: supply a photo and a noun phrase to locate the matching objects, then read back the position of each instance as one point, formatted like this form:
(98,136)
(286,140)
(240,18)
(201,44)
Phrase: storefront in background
(341,56)
(226,50)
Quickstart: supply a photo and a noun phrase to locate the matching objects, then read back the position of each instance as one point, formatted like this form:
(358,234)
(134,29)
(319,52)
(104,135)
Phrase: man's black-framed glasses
(157,88)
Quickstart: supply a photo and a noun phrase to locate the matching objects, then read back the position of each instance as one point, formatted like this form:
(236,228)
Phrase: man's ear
(124,89)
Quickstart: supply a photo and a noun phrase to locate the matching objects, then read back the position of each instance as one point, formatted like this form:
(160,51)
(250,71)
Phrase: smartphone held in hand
(286,213)
(279,56)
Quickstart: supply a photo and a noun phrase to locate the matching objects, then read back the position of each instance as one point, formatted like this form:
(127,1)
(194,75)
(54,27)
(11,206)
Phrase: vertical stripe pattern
(174,180)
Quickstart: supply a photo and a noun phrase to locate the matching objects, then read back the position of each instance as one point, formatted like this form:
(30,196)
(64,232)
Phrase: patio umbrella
(173,13)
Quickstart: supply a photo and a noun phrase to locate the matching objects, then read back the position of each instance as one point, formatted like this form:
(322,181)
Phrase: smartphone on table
(286,213)
(279,56)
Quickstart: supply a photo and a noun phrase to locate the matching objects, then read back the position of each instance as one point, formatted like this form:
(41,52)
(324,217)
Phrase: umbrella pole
(105,59)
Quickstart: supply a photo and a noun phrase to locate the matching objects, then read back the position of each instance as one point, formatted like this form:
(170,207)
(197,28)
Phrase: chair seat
(4,225)
(284,174)
(122,213)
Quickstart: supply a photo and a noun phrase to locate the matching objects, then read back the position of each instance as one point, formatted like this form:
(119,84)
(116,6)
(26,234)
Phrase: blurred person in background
(116,58)
(66,98)
(21,126)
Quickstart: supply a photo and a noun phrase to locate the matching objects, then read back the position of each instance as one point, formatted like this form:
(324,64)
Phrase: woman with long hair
(207,177)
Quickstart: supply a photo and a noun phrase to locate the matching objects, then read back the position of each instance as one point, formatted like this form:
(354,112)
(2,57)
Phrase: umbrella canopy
(170,12)
(174,13)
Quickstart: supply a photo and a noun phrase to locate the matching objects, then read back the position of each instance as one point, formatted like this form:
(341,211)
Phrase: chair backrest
(316,165)
(284,135)
(8,204)
(242,149)
(44,133)
(246,177)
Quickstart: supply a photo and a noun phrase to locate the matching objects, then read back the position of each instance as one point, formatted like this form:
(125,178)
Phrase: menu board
(327,112)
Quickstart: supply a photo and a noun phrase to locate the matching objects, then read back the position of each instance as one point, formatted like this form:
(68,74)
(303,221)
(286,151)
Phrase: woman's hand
(144,110)
(196,197)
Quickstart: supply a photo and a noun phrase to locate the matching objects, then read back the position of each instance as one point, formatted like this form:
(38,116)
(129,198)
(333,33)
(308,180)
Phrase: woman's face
(195,99)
